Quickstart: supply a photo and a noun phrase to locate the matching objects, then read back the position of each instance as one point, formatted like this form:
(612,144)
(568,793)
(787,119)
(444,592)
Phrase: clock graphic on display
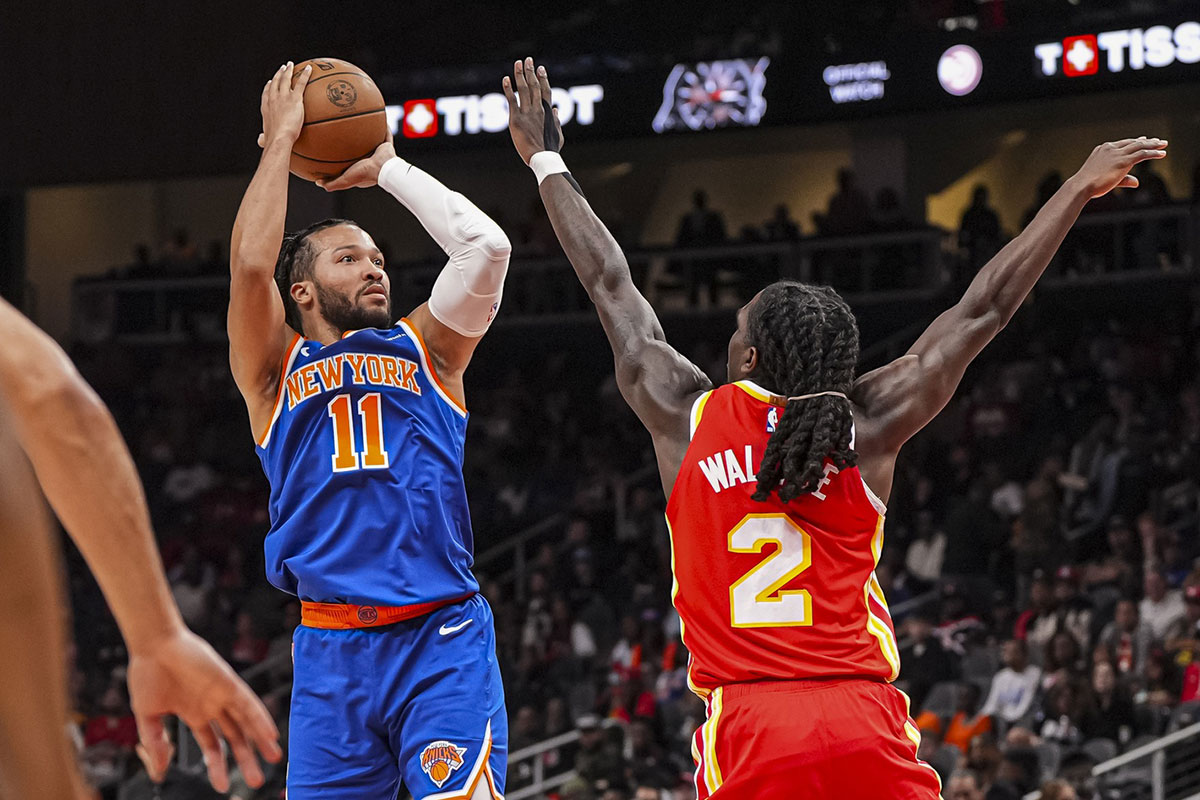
(713,94)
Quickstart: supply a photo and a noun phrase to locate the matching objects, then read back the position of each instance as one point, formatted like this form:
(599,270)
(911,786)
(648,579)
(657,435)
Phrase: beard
(344,315)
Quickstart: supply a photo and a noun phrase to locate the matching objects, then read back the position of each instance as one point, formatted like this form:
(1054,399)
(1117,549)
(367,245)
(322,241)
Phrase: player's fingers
(262,139)
(1128,182)
(535,89)
(214,757)
(154,747)
(255,721)
(1150,154)
(302,78)
(544,81)
(506,84)
(522,86)
(243,753)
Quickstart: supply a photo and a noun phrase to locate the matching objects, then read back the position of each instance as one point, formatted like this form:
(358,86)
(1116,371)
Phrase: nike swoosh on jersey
(445,630)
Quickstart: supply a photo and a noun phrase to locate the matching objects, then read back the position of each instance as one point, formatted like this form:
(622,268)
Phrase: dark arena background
(1042,548)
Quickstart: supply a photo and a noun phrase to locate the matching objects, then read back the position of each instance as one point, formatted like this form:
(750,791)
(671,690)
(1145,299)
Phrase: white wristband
(545,164)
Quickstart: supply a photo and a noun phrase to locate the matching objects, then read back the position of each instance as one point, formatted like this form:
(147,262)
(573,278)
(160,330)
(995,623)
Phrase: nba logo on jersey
(772,419)
(440,759)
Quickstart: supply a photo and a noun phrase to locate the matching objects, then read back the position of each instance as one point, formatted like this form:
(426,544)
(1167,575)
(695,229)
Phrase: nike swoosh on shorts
(448,629)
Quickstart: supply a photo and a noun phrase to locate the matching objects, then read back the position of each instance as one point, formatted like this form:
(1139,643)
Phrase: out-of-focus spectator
(923,661)
(889,212)
(781,227)
(967,722)
(598,758)
(1062,712)
(1161,607)
(849,209)
(1074,610)
(1057,789)
(1014,688)
(964,785)
(1127,638)
(701,226)
(1109,711)
(979,229)
(248,648)
(1046,188)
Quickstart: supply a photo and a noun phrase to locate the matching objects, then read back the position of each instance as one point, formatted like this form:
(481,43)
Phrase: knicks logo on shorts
(440,759)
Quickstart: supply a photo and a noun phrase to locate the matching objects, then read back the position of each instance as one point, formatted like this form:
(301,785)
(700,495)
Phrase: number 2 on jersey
(757,599)
(346,456)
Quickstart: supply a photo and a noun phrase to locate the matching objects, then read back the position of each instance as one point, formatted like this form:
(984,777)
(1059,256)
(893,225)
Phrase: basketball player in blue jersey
(360,425)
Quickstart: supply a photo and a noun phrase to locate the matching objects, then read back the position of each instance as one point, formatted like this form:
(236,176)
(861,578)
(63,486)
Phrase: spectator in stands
(967,722)
(1183,644)
(923,661)
(598,758)
(1064,661)
(1062,715)
(1036,625)
(179,253)
(1109,709)
(1119,569)
(1014,687)
(1074,610)
(1161,607)
(781,227)
(1152,189)
(979,230)
(649,764)
(849,210)
(1046,188)
(964,785)
(927,553)
(1057,789)
(248,647)
(1128,639)
(1018,774)
(109,738)
(701,226)
(1076,769)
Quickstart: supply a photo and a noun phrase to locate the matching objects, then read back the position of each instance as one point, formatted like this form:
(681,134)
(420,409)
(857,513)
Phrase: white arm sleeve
(466,295)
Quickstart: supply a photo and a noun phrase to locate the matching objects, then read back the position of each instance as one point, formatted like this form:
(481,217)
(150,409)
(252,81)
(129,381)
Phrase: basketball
(344,119)
(439,771)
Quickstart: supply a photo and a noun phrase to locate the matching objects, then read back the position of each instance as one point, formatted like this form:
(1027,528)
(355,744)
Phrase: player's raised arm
(467,293)
(90,480)
(258,333)
(897,400)
(657,381)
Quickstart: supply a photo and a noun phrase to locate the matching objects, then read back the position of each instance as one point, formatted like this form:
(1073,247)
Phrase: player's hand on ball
(181,674)
(364,173)
(1108,166)
(532,121)
(283,105)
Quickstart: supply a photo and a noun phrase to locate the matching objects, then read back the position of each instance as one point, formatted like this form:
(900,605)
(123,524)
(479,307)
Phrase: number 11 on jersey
(346,456)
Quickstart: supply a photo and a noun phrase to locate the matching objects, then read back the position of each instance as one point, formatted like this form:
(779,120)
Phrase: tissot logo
(472,113)
(1117,51)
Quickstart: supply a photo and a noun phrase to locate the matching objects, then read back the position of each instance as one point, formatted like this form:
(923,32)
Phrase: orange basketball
(439,771)
(344,119)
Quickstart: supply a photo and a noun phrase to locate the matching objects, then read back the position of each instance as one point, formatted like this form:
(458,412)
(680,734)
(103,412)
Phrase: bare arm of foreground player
(90,480)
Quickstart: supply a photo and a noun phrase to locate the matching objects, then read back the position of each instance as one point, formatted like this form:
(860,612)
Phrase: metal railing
(1166,769)
(184,309)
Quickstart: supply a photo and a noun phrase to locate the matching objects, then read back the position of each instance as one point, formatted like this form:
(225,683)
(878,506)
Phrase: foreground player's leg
(35,754)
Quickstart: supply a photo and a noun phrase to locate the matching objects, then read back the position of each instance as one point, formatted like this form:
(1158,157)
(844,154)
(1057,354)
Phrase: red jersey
(772,590)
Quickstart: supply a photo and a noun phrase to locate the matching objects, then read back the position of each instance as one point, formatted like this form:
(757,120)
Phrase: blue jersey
(364,455)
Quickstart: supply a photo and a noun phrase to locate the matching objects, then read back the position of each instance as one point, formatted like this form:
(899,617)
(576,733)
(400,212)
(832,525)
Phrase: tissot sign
(458,115)
(1117,51)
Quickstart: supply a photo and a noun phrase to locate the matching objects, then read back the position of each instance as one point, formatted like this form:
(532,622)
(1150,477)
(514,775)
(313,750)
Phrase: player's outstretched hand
(181,674)
(1108,166)
(282,105)
(532,121)
(362,173)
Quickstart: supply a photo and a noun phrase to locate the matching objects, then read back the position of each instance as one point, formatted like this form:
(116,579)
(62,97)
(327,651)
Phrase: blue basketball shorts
(418,702)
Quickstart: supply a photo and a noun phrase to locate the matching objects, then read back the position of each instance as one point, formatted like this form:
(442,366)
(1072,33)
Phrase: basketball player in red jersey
(777,483)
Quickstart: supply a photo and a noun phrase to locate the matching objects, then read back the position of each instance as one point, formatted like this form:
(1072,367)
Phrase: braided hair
(295,263)
(807,341)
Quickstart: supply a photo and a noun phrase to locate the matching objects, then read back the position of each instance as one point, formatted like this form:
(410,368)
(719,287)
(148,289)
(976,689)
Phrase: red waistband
(339,616)
(731,690)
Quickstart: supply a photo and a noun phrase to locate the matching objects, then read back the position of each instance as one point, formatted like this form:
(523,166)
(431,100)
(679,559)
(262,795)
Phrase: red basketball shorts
(843,739)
